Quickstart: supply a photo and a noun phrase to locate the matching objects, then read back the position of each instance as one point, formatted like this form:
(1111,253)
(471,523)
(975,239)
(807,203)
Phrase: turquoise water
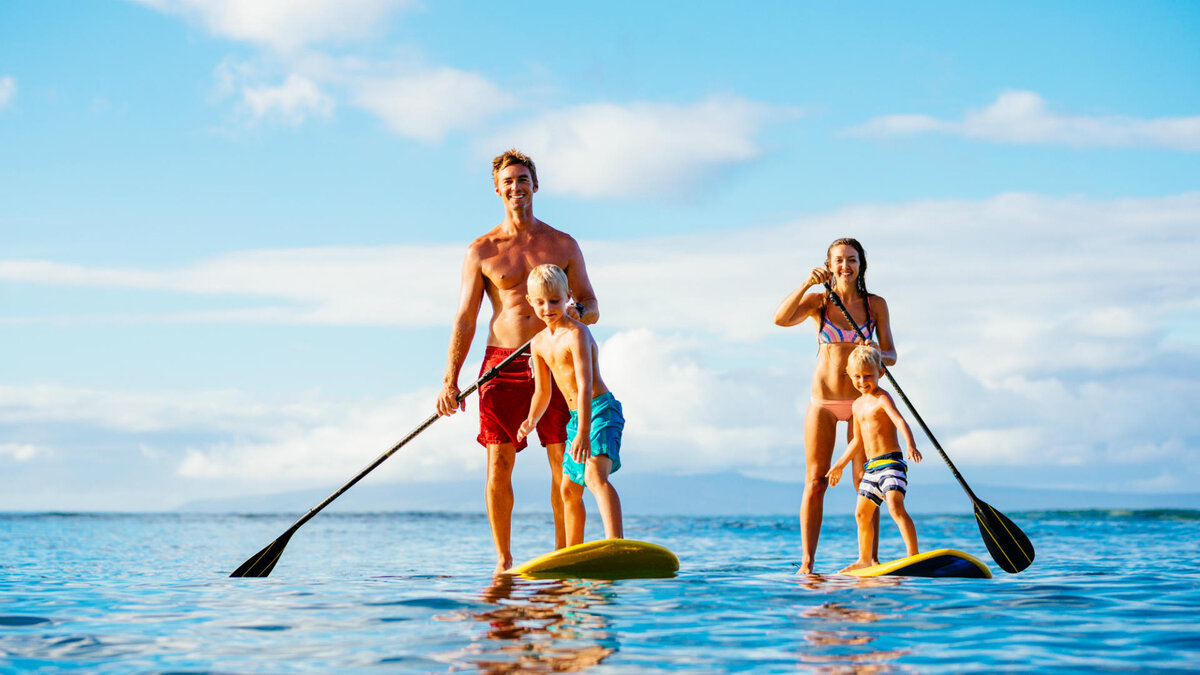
(411,593)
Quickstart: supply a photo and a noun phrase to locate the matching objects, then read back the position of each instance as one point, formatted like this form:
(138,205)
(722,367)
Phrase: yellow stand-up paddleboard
(604,559)
(943,562)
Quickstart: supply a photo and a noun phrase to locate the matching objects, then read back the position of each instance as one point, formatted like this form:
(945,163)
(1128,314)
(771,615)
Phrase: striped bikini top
(828,332)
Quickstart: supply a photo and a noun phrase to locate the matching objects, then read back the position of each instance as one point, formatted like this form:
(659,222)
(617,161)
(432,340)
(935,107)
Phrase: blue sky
(232,231)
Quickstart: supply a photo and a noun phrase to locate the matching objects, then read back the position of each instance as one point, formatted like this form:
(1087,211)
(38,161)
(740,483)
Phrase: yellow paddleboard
(943,562)
(604,559)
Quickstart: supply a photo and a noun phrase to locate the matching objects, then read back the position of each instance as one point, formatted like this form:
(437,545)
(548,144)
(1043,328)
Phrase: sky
(231,233)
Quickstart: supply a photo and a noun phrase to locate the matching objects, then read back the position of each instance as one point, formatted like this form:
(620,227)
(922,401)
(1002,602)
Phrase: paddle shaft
(917,416)
(491,373)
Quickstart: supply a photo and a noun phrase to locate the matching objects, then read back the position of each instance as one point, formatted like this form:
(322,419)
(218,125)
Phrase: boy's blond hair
(548,279)
(510,157)
(865,355)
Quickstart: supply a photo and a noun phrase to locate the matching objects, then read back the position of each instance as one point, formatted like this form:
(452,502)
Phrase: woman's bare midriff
(830,381)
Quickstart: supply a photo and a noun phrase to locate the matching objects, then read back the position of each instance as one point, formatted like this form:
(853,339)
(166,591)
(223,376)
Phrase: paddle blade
(261,563)
(1009,546)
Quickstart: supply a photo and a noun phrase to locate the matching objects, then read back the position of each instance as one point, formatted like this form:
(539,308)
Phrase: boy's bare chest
(873,415)
(560,357)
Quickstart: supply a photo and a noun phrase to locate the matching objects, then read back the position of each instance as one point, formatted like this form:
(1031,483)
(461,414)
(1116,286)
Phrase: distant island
(705,494)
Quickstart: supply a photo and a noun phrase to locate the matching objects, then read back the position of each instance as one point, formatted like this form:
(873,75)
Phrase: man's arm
(581,286)
(470,298)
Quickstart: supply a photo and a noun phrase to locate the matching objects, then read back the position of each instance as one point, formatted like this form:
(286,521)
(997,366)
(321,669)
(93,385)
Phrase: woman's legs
(820,432)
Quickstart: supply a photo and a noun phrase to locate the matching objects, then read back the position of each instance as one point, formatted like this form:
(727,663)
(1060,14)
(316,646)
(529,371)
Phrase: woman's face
(844,263)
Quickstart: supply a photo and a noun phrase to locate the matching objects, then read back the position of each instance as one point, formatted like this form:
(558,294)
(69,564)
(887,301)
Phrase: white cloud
(427,104)
(346,286)
(225,411)
(1023,117)
(8,91)
(684,411)
(1016,272)
(608,150)
(292,101)
(285,25)
(1032,333)
(18,452)
(343,443)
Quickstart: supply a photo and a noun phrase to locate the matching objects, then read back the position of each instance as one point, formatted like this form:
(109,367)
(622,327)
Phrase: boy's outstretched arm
(855,446)
(541,394)
(898,419)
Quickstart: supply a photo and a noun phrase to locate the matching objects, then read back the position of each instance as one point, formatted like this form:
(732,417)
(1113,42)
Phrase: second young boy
(877,422)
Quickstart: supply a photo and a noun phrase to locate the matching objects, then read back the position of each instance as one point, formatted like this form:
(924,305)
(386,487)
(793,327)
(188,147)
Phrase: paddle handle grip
(895,385)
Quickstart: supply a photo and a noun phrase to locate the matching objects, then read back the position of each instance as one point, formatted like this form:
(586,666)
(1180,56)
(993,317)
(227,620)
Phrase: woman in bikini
(832,392)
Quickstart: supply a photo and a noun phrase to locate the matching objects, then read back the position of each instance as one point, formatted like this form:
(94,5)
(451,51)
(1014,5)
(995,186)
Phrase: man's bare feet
(805,567)
(858,565)
(503,564)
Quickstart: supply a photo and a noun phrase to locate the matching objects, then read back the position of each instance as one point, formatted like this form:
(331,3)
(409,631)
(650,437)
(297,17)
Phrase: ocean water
(413,593)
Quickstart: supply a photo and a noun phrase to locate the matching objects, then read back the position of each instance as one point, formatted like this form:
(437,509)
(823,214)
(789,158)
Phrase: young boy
(876,421)
(566,351)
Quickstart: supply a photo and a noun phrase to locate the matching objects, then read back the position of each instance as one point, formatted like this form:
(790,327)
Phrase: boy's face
(547,304)
(864,377)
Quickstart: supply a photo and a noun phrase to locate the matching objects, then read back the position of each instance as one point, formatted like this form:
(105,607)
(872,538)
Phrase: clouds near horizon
(1015,326)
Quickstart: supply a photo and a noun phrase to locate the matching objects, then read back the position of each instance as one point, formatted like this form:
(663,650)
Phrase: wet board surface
(604,559)
(943,562)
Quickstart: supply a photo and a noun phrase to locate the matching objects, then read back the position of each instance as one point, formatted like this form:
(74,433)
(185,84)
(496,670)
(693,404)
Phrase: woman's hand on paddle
(447,402)
(820,275)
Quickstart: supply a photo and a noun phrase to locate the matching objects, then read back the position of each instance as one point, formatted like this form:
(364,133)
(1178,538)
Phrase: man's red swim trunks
(504,403)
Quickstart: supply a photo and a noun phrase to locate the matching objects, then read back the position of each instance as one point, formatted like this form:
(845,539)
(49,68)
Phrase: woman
(832,392)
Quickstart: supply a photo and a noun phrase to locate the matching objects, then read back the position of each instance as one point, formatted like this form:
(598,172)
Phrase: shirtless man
(497,265)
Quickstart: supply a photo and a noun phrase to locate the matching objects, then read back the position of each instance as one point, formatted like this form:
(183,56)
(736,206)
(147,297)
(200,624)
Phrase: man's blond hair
(510,157)
(548,279)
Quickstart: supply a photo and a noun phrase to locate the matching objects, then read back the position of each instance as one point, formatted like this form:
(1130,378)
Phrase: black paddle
(1009,546)
(261,563)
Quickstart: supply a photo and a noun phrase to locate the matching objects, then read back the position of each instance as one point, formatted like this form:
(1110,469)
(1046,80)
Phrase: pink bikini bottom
(840,409)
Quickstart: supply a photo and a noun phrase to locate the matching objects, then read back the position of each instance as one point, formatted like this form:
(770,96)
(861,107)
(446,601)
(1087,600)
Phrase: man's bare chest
(509,270)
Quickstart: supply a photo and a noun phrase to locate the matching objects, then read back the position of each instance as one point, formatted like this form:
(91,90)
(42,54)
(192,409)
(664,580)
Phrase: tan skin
(830,381)
(495,267)
(877,422)
(567,352)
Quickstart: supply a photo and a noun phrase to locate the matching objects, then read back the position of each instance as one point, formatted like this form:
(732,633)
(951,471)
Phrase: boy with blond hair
(566,351)
(876,422)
